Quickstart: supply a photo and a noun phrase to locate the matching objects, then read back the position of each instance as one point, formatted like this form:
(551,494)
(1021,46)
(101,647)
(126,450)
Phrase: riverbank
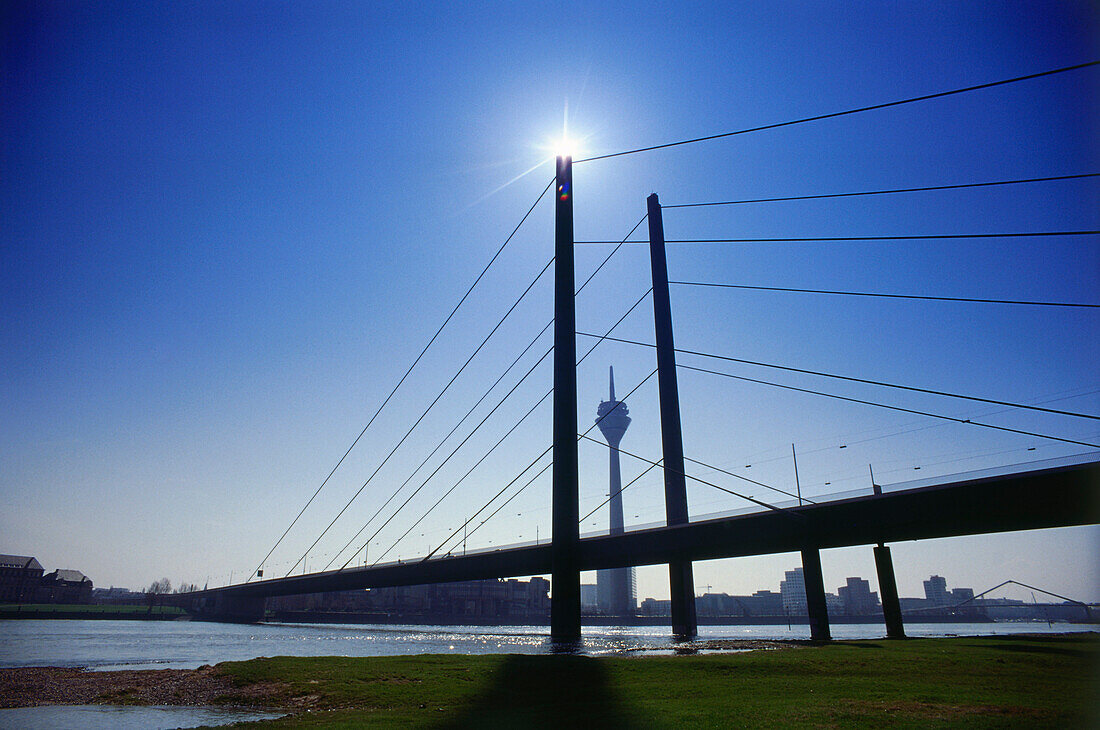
(89,612)
(1032,681)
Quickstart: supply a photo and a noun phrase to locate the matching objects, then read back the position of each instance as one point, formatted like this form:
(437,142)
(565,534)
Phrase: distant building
(764,603)
(20,576)
(857,598)
(64,586)
(935,591)
(588,598)
(654,607)
(793,591)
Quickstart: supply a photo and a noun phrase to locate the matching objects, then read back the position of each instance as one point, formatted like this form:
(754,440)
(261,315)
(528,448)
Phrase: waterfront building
(655,607)
(20,576)
(64,586)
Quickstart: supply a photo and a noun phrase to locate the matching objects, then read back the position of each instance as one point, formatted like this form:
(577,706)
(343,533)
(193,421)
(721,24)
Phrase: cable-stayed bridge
(1024,497)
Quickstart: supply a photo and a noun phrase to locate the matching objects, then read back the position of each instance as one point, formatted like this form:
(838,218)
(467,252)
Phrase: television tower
(615,587)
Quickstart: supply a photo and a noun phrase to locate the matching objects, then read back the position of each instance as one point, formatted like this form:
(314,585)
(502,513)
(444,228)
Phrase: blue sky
(228,229)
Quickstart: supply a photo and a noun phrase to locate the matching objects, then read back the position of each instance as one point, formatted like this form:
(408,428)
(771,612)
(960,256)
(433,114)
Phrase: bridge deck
(1060,496)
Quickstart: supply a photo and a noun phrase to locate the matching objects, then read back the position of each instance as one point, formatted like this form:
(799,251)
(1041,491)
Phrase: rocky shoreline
(34,686)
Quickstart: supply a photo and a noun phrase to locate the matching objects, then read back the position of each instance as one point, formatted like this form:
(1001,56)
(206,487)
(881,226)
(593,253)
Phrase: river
(109,645)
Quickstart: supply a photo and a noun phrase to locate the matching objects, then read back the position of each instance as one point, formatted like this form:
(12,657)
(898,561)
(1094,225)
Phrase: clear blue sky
(227,229)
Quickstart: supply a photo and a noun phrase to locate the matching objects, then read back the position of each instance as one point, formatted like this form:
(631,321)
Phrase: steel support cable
(748,497)
(531,481)
(882,192)
(582,359)
(648,469)
(431,405)
(455,451)
(846,442)
(885,296)
(865,381)
(613,252)
(750,481)
(892,408)
(582,286)
(405,376)
(455,486)
(504,504)
(846,112)
(708,466)
(837,239)
(439,445)
(911,427)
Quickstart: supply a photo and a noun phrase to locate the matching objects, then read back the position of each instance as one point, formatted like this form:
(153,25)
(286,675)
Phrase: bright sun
(566,147)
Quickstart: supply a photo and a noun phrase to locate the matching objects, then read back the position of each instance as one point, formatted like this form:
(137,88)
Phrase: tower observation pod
(615,587)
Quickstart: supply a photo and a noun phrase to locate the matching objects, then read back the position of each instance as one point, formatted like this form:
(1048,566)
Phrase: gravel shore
(32,686)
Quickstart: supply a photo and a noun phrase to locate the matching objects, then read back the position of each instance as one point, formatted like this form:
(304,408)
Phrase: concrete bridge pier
(888,592)
(815,594)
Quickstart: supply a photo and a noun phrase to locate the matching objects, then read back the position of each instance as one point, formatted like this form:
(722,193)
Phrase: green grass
(85,608)
(973,682)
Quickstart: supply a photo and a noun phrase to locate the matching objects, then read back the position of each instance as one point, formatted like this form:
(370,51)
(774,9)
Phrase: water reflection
(125,718)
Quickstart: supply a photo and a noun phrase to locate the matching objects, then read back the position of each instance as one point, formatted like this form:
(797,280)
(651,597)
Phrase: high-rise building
(935,591)
(857,598)
(793,590)
(615,587)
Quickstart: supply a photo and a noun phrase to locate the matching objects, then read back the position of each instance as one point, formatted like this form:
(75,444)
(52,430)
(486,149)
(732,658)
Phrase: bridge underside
(1060,497)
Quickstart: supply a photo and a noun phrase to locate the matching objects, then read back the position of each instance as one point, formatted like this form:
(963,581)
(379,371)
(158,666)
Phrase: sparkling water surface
(50,717)
(110,645)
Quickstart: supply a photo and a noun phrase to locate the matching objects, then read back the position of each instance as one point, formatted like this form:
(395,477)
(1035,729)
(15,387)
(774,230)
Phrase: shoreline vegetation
(994,681)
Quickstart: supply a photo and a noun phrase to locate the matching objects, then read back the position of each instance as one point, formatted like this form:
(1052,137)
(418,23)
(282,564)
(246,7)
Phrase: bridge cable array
(873,403)
(424,414)
(540,401)
(583,285)
(851,379)
(415,362)
(531,481)
(892,408)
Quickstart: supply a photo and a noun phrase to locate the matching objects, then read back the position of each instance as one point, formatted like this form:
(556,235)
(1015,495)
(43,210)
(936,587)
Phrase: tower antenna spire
(611,368)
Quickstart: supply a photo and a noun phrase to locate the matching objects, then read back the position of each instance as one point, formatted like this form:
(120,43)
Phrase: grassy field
(1030,682)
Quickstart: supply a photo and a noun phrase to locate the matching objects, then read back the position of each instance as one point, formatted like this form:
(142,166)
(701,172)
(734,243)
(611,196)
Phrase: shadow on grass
(1038,649)
(532,691)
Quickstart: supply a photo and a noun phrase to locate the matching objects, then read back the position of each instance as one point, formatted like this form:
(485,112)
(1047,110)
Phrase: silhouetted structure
(615,587)
(477,601)
(858,599)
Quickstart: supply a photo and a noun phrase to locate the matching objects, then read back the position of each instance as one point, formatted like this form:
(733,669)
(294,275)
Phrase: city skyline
(229,230)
